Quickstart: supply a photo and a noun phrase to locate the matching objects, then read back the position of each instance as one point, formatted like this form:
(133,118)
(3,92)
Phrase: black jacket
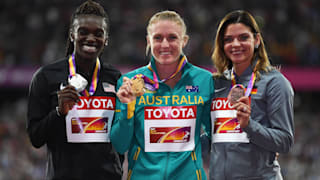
(68,160)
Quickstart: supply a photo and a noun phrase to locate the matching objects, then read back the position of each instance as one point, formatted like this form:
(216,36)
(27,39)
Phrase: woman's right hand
(124,93)
(67,98)
(243,107)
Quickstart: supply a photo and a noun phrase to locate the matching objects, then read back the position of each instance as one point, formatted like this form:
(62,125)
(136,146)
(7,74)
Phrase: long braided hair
(87,8)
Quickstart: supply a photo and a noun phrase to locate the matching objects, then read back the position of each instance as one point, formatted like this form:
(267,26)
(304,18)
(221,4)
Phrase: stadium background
(34,32)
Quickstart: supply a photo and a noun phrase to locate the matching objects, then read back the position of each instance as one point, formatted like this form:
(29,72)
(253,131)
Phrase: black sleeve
(112,72)
(41,115)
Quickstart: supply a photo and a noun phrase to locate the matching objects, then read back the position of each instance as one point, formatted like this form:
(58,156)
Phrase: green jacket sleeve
(205,116)
(123,124)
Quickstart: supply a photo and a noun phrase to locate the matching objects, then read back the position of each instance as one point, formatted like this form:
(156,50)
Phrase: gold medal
(236,92)
(137,86)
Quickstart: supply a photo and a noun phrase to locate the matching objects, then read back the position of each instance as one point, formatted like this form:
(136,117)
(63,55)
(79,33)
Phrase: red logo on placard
(228,123)
(89,125)
(220,104)
(170,134)
(96,102)
(170,112)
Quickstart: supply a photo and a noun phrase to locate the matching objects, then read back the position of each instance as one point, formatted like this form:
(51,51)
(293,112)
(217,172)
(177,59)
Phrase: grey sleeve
(277,134)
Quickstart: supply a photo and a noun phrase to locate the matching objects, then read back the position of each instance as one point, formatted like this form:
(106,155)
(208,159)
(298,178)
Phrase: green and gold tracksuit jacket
(161,130)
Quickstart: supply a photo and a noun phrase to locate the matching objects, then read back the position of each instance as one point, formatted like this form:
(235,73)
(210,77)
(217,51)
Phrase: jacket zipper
(166,167)
(198,171)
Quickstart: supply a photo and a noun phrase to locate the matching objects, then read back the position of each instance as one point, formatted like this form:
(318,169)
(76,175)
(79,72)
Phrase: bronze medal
(137,86)
(236,92)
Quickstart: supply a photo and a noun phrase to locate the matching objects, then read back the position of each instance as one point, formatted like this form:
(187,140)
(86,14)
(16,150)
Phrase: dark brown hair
(219,58)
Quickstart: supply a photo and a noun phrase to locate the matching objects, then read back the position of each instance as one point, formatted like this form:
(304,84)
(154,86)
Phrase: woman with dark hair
(252,112)
(72,102)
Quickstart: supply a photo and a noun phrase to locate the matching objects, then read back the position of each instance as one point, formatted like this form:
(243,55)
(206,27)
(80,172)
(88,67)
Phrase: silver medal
(79,82)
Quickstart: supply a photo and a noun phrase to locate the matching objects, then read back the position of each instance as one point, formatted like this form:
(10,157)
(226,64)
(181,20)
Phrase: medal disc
(79,82)
(137,86)
(236,92)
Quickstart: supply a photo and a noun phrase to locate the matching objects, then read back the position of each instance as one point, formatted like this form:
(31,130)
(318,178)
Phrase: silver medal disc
(79,82)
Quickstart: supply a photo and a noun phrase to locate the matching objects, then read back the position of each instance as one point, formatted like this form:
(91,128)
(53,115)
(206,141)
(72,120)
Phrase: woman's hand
(67,98)
(243,108)
(125,93)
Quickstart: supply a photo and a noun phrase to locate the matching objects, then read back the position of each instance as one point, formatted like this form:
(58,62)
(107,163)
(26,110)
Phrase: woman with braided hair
(72,101)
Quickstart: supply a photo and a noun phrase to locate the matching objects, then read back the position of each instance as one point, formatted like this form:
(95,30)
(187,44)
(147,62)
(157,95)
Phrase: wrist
(130,109)
(58,111)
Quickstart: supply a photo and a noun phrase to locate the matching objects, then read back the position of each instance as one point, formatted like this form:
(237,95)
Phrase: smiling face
(89,36)
(239,43)
(166,40)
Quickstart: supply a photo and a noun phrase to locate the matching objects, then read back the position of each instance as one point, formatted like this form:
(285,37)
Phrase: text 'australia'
(170,100)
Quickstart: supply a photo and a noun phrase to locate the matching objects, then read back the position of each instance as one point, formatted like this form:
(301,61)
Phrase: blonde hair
(166,15)
(219,58)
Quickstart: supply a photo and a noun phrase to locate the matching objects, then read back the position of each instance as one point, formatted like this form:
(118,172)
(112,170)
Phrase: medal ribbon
(250,84)
(182,62)
(95,76)
(153,85)
(149,83)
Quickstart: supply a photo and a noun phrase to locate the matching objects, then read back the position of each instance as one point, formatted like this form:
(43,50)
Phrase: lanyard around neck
(182,62)
(95,76)
(250,84)
(153,84)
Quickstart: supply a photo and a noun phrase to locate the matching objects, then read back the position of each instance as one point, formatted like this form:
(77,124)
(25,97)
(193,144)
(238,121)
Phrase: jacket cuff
(130,109)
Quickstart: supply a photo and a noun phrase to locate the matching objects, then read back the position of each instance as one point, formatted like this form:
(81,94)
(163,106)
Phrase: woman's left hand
(243,108)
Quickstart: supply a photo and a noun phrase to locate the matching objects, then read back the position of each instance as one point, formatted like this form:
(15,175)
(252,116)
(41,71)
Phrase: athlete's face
(239,43)
(166,40)
(89,36)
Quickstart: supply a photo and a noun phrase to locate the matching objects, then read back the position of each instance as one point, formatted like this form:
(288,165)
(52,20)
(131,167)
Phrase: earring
(256,46)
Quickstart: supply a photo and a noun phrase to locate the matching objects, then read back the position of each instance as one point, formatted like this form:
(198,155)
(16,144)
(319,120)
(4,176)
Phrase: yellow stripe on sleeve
(129,174)
(136,155)
(198,175)
(194,156)
(131,108)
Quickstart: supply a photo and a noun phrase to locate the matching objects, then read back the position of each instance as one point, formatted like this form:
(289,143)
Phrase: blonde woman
(252,110)
(161,107)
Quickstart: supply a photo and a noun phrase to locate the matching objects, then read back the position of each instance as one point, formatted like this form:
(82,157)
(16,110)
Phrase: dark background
(34,33)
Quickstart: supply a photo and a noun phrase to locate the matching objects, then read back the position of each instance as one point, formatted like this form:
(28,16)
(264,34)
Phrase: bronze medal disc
(236,93)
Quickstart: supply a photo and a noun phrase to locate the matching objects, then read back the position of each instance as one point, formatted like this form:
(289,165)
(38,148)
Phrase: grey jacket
(270,130)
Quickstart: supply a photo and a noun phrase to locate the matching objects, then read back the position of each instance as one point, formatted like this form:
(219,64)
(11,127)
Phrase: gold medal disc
(137,86)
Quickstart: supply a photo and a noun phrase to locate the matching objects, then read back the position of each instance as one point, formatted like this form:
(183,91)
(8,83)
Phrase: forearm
(123,127)
(40,129)
(279,135)
(271,139)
